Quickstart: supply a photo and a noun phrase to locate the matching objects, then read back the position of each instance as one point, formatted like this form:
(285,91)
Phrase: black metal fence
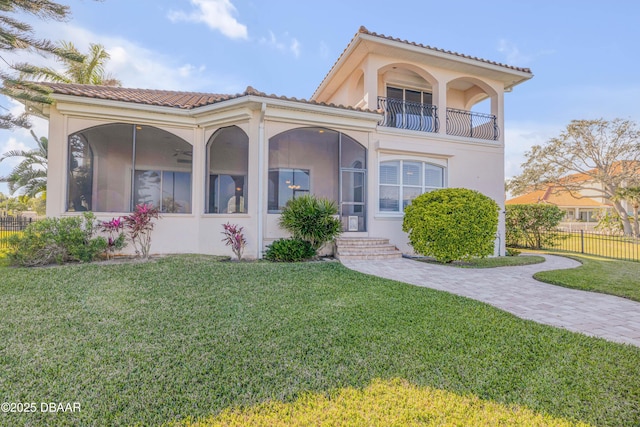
(10,225)
(582,242)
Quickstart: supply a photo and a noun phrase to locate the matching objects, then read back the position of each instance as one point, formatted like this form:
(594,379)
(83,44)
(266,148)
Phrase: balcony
(408,115)
(424,117)
(470,124)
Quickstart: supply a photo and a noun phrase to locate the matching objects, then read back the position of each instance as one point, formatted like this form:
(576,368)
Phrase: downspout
(261,183)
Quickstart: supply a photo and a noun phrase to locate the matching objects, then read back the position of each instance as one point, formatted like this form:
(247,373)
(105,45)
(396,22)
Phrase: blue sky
(584,54)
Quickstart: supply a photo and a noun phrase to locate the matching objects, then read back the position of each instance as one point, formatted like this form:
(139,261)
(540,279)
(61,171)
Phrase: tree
(632,196)
(16,35)
(602,156)
(452,224)
(532,226)
(30,175)
(89,71)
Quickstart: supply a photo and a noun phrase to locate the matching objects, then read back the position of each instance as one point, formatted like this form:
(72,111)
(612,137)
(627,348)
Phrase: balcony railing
(424,117)
(472,125)
(408,115)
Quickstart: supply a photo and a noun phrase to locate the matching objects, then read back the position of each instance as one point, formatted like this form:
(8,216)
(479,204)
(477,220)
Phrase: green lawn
(503,261)
(621,278)
(187,336)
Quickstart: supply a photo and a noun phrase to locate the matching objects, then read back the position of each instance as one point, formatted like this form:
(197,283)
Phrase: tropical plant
(234,237)
(452,224)
(532,225)
(16,35)
(289,250)
(116,238)
(30,175)
(89,71)
(139,226)
(312,219)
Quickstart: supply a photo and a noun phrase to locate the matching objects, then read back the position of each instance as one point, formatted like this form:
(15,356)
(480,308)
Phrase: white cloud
(137,66)
(512,53)
(216,14)
(284,43)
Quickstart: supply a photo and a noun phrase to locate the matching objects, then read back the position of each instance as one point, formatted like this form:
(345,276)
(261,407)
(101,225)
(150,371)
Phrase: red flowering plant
(139,225)
(115,235)
(233,237)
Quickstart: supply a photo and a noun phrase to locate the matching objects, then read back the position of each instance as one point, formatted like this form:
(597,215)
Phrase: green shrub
(289,250)
(56,240)
(452,224)
(532,226)
(312,219)
(513,252)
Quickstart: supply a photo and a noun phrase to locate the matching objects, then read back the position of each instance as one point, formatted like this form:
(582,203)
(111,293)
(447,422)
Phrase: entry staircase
(348,248)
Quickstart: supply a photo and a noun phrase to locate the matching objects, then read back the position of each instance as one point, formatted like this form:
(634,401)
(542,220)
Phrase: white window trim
(424,161)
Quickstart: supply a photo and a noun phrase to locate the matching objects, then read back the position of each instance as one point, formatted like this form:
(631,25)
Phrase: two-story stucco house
(391,120)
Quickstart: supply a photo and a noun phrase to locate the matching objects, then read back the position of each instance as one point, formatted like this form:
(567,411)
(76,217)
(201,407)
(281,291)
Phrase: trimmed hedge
(452,224)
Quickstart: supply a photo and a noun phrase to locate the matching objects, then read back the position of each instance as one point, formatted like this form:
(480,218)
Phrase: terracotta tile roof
(169,98)
(554,197)
(363,30)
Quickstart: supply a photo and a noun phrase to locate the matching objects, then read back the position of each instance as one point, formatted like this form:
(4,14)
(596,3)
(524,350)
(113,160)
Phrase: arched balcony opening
(407,103)
(472,109)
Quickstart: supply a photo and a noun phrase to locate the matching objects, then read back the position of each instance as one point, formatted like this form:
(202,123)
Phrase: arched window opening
(114,167)
(322,162)
(227,169)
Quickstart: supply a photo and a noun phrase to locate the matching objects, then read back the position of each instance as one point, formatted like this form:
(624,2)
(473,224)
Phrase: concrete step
(351,248)
(361,241)
(368,249)
(394,255)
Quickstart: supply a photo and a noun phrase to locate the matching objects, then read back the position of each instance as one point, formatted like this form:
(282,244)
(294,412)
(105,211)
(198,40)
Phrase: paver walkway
(514,289)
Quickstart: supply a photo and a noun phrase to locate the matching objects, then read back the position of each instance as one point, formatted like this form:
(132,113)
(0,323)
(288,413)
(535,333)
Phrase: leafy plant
(116,237)
(56,240)
(139,226)
(312,219)
(234,237)
(513,252)
(289,250)
(452,224)
(532,225)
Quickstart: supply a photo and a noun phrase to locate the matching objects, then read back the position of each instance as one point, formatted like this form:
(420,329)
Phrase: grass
(608,276)
(189,337)
(503,261)
(598,245)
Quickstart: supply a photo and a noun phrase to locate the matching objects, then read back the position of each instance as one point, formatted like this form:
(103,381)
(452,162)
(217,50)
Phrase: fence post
(581,241)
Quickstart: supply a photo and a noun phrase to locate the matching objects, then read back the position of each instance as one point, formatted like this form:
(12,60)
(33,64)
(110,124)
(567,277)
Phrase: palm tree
(89,71)
(16,35)
(30,175)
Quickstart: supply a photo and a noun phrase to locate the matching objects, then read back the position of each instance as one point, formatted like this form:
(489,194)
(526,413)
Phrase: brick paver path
(514,289)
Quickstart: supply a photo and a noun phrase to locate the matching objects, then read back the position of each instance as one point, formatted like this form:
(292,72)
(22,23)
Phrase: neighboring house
(391,120)
(576,207)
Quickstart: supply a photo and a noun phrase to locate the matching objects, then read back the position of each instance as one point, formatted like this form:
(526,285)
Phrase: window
(411,109)
(228,166)
(401,181)
(167,190)
(286,184)
(116,166)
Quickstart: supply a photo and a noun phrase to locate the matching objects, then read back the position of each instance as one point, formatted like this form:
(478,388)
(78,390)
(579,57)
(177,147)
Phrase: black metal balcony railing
(408,115)
(472,125)
(424,117)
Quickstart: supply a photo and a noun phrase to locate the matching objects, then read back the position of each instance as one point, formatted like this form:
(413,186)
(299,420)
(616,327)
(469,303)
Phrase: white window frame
(423,188)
